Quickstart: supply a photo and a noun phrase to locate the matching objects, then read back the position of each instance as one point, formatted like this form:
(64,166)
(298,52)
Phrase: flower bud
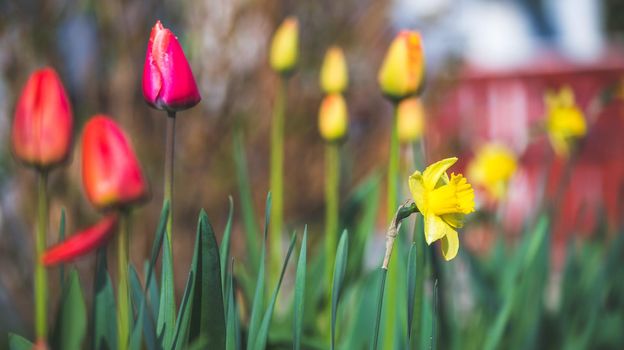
(285,46)
(81,243)
(403,68)
(333,118)
(168,81)
(410,120)
(111,174)
(334,74)
(42,129)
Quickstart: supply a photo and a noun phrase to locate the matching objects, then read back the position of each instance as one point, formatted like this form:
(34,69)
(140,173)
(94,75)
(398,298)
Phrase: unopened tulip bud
(168,81)
(334,74)
(411,120)
(333,118)
(111,173)
(42,129)
(81,243)
(285,46)
(403,68)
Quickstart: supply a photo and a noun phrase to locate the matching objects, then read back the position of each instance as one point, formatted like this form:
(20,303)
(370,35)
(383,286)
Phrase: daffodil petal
(450,245)
(435,228)
(417,189)
(434,172)
(454,220)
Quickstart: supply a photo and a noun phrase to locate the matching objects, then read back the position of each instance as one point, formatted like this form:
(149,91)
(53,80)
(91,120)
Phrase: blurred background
(490,63)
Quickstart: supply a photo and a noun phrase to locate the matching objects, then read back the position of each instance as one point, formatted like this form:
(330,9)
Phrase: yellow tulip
(443,202)
(403,68)
(285,46)
(411,120)
(334,74)
(492,168)
(333,118)
(565,122)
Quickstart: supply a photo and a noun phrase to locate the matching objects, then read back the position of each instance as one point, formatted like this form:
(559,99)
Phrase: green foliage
(71,322)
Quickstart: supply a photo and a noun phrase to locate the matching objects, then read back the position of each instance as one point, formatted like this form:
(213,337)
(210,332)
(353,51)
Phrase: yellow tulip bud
(333,118)
(410,120)
(403,68)
(285,46)
(334,74)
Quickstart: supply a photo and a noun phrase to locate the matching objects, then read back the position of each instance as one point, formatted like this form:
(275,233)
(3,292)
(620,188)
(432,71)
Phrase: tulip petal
(435,171)
(81,243)
(450,245)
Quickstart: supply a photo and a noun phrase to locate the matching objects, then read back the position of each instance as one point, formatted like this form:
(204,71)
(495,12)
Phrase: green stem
(382,285)
(394,313)
(277,181)
(169,158)
(123,291)
(332,185)
(41,279)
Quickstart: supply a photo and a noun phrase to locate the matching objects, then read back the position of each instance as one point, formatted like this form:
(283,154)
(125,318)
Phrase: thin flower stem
(123,291)
(277,181)
(169,161)
(332,184)
(41,280)
(395,314)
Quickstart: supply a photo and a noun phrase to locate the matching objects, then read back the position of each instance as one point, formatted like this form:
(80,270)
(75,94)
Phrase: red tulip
(168,82)
(42,128)
(111,174)
(81,243)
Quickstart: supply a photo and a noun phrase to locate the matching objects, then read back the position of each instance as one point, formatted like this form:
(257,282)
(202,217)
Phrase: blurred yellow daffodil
(443,202)
(564,120)
(411,120)
(334,75)
(492,168)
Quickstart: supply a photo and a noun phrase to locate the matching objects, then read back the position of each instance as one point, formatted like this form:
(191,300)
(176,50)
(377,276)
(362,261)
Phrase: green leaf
(300,291)
(258,300)
(143,326)
(263,332)
(104,331)
(208,315)
(231,342)
(165,325)
(380,298)
(246,198)
(339,272)
(71,323)
(180,340)
(225,244)
(411,285)
(17,342)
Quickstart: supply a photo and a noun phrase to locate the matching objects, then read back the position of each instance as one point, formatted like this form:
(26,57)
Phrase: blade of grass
(104,331)
(143,327)
(380,298)
(180,339)
(340,267)
(263,331)
(246,198)
(225,244)
(258,300)
(300,291)
(232,317)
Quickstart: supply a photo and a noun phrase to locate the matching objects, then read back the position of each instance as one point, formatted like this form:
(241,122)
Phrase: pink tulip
(168,81)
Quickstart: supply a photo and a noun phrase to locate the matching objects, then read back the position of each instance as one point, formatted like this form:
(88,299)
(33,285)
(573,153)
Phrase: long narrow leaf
(300,291)
(208,315)
(17,342)
(166,313)
(258,300)
(225,244)
(104,331)
(411,285)
(263,332)
(232,317)
(144,327)
(71,324)
(339,272)
(180,339)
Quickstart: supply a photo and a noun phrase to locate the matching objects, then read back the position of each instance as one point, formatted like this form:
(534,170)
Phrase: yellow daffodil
(443,202)
(492,168)
(403,68)
(334,76)
(285,46)
(564,120)
(333,118)
(410,119)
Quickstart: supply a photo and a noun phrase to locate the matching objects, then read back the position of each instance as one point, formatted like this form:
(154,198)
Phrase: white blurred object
(405,11)
(498,35)
(578,26)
